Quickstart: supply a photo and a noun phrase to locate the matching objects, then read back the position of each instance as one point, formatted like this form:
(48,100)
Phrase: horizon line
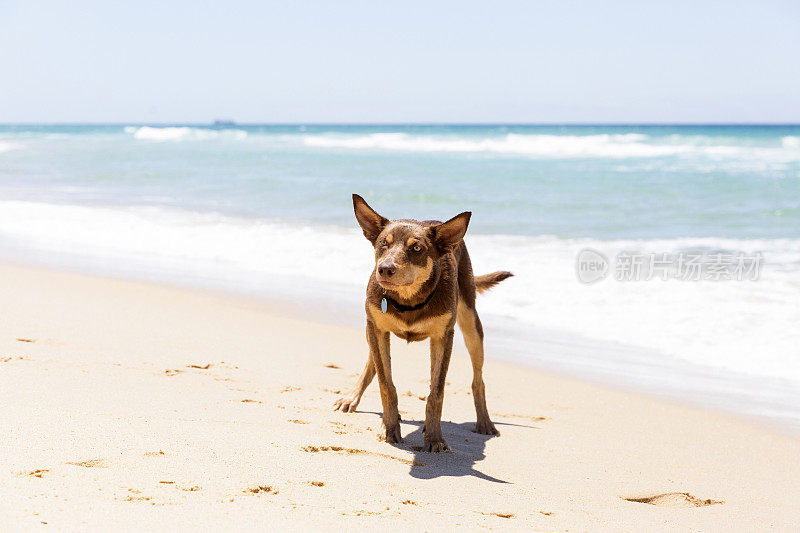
(462,124)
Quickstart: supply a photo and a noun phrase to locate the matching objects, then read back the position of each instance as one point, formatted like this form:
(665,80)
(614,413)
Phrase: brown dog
(421,286)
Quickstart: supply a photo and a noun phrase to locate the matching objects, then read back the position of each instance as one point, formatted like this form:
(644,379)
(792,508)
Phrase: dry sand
(130,406)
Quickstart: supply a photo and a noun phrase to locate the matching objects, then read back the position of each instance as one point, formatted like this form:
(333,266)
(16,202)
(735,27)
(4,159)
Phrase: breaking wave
(716,324)
(180,133)
(791,142)
(544,146)
(630,145)
(6,146)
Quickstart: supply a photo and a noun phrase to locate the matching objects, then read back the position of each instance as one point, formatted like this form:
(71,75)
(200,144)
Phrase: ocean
(267,210)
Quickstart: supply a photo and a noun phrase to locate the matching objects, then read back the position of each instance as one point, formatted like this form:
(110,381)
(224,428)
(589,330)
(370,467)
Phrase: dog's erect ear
(371,222)
(449,234)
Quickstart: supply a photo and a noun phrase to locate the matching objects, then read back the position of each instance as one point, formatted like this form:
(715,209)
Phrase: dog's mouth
(391,284)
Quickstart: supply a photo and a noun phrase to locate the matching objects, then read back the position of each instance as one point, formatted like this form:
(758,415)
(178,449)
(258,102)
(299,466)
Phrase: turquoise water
(248,206)
(599,182)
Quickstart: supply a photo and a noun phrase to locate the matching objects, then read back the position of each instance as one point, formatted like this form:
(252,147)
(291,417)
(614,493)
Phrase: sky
(341,61)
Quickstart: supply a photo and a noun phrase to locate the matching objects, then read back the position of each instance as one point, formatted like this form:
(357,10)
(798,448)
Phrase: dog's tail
(487,281)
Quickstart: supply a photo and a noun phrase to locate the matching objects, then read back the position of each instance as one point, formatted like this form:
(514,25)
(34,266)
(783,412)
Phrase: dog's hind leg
(348,403)
(470,325)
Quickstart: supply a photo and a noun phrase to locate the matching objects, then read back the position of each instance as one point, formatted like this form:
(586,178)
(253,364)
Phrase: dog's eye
(416,248)
(382,242)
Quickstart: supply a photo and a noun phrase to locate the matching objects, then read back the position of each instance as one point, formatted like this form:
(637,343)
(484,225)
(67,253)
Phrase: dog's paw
(435,446)
(346,404)
(391,434)
(485,427)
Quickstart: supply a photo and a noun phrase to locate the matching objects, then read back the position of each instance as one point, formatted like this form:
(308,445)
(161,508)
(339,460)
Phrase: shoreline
(140,405)
(770,402)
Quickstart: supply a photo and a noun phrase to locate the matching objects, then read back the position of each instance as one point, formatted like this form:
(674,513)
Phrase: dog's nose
(387,269)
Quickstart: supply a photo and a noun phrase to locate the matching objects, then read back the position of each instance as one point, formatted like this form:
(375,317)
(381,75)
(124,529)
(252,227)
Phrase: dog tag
(384,305)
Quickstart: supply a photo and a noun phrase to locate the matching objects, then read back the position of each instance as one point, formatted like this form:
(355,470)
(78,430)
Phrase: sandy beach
(132,406)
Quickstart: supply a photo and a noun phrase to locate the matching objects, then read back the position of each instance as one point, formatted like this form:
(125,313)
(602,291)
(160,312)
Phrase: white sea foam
(179,133)
(743,326)
(630,145)
(7,146)
(791,142)
(603,145)
(172,237)
(613,146)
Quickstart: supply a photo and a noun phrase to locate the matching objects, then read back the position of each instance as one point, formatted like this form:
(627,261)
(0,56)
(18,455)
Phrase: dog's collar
(404,308)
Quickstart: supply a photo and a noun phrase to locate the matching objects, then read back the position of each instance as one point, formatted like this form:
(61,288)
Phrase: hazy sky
(381,61)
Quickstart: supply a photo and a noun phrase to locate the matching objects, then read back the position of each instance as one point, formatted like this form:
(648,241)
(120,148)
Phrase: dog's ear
(371,222)
(448,234)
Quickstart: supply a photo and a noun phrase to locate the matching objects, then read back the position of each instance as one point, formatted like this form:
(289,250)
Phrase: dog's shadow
(466,449)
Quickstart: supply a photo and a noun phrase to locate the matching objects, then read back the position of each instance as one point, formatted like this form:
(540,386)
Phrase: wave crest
(7,147)
(180,133)
(619,146)
(602,145)
(718,324)
(790,142)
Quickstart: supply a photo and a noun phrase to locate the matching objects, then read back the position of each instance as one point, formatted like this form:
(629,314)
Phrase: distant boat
(221,122)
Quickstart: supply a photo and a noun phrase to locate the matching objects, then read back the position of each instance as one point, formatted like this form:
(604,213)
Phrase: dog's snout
(387,269)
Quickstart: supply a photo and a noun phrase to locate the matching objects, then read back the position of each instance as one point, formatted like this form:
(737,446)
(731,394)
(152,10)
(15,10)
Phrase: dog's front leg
(382,361)
(441,347)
